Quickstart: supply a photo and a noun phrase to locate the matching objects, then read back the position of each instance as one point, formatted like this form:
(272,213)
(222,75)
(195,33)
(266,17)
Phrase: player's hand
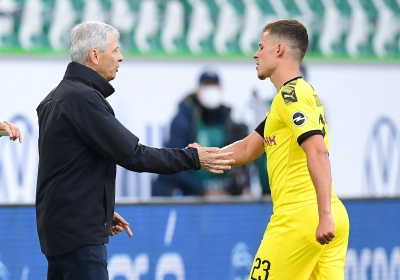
(213,160)
(118,225)
(12,130)
(325,230)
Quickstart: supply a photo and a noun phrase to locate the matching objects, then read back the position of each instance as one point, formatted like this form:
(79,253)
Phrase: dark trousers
(84,263)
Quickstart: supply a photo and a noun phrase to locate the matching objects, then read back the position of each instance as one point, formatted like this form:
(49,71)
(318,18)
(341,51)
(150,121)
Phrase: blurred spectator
(203,118)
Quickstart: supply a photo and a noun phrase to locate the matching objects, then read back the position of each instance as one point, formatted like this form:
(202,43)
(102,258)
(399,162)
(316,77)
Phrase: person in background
(12,131)
(80,143)
(308,233)
(203,118)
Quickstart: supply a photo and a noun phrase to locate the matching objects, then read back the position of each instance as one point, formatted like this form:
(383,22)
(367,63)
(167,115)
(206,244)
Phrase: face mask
(210,97)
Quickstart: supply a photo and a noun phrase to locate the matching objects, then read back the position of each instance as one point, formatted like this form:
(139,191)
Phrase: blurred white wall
(361,101)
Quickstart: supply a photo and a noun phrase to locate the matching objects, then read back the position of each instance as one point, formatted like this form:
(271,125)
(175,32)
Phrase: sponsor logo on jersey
(270,141)
(289,95)
(299,118)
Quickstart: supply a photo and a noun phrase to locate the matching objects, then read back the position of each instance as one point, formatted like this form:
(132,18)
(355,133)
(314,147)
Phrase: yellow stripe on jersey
(296,113)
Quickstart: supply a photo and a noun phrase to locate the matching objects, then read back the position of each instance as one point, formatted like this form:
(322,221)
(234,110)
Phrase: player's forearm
(238,148)
(247,149)
(320,172)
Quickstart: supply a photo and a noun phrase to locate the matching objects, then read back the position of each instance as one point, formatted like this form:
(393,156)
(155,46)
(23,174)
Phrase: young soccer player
(307,235)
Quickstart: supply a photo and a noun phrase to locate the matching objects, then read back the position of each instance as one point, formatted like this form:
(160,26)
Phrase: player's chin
(260,74)
(261,77)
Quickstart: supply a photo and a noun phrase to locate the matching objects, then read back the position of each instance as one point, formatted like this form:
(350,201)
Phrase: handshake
(213,159)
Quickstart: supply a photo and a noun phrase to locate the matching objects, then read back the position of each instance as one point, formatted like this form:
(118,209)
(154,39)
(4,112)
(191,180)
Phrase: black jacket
(80,143)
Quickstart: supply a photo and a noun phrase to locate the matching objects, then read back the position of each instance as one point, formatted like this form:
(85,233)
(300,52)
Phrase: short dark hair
(292,31)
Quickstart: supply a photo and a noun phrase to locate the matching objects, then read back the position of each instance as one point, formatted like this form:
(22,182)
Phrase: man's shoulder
(288,92)
(69,94)
(189,100)
(68,87)
(187,104)
(303,87)
(295,90)
(71,90)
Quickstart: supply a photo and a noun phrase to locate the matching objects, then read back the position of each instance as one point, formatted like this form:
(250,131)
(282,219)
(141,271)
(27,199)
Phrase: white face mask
(210,97)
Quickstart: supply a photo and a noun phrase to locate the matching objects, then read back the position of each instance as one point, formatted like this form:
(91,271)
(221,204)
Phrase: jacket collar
(80,73)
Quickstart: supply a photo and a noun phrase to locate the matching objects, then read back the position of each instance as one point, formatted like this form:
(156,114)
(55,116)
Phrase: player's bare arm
(247,149)
(242,151)
(320,171)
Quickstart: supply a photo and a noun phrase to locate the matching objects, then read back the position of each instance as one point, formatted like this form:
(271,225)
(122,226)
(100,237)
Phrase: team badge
(299,118)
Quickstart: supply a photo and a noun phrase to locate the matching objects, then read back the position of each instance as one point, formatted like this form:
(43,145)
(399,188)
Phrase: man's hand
(194,145)
(213,160)
(325,230)
(12,131)
(118,225)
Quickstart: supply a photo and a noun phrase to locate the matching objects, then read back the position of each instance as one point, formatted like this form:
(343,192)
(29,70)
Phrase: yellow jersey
(295,114)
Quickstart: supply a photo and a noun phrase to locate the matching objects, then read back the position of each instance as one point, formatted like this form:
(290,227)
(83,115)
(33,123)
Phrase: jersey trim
(299,77)
(307,134)
(260,128)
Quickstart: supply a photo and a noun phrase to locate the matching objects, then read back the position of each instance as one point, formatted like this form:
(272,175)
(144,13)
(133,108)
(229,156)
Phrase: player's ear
(280,49)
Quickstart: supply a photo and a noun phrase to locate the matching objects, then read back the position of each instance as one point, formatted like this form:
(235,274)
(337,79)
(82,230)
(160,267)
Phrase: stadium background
(353,64)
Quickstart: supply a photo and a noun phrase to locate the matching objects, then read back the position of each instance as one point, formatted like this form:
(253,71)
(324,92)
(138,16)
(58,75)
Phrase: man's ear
(94,56)
(280,49)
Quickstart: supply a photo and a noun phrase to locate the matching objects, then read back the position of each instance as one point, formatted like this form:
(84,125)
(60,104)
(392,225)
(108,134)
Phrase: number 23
(260,262)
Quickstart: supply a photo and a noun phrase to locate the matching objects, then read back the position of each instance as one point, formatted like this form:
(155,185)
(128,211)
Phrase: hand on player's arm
(12,130)
(320,172)
(119,224)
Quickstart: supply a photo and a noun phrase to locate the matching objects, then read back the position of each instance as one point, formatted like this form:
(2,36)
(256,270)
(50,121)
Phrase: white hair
(89,35)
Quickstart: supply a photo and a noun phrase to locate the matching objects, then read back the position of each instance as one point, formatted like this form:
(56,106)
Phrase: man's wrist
(195,157)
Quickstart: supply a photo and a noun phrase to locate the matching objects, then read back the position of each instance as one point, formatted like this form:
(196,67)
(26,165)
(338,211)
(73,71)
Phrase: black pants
(84,263)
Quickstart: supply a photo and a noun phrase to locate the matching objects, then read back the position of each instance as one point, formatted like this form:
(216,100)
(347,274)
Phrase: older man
(80,144)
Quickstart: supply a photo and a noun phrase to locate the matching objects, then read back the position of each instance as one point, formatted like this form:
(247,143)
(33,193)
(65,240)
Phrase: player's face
(265,56)
(109,59)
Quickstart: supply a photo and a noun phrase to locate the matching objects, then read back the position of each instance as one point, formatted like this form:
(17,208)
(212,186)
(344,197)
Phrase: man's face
(265,56)
(109,59)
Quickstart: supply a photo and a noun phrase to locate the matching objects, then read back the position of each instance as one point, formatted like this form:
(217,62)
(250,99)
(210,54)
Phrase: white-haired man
(80,144)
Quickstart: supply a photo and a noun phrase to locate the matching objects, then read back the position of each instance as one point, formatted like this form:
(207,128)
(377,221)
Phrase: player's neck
(283,74)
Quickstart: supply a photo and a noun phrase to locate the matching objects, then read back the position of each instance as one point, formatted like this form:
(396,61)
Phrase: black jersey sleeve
(260,128)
